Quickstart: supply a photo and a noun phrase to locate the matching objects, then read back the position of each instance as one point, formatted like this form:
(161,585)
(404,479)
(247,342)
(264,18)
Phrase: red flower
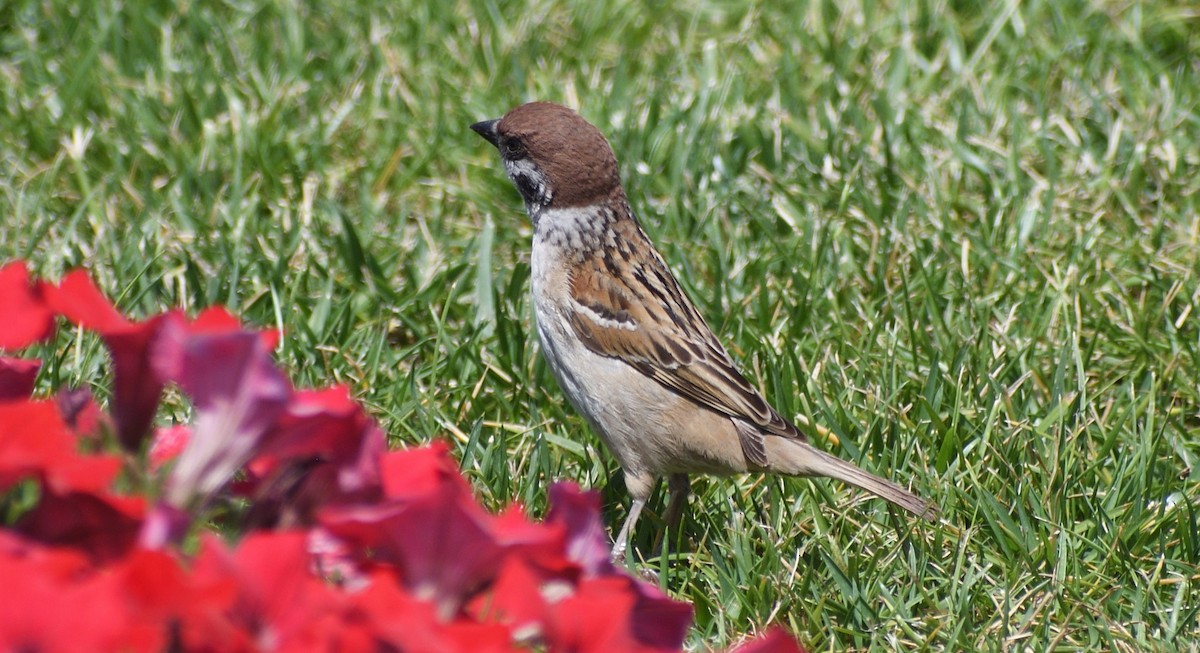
(440,543)
(400,621)
(517,598)
(168,595)
(238,395)
(383,551)
(323,450)
(275,597)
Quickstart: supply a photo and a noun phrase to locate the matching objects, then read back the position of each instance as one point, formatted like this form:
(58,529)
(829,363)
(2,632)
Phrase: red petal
(217,320)
(34,441)
(168,442)
(467,637)
(77,299)
(515,599)
(277,596)
(404,623)
(158,585)
(618,613)
(418,471)
(776,640)
(92,473)
(541,545)
(42,611)
(163,592)
(395,615)
(24,316)
(594,619)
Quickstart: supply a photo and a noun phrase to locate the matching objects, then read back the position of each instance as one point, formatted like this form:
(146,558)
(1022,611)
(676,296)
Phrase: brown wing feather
(633,309)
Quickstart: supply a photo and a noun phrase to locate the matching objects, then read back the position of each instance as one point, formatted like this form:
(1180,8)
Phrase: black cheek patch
(528,188)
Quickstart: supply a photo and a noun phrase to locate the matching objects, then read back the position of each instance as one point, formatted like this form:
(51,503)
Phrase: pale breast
(649,428)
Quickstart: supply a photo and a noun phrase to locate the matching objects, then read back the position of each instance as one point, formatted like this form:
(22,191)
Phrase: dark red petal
(659,621)
(578,513)
(137,388)
(82,414)
(105,527)
(17,376)
(327,426)
(440,542)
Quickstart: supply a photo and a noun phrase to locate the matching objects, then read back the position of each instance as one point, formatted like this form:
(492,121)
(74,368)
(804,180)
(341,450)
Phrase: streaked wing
(630,307)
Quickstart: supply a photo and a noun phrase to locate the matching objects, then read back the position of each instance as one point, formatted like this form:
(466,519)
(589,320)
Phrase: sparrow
(627,346)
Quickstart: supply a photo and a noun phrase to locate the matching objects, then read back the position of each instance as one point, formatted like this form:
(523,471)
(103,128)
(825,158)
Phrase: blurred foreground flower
(343,546)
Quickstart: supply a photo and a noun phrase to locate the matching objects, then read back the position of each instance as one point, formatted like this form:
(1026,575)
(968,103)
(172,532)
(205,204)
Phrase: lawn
(964,237)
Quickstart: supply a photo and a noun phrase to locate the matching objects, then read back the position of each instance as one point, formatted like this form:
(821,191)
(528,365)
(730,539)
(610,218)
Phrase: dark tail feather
(802,459)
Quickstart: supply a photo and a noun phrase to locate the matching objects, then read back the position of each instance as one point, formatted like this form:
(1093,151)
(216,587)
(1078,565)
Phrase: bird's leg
(678,488)
(619,549)
(677,491)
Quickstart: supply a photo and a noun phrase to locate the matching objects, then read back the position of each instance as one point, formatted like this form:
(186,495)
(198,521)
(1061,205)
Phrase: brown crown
(578,162)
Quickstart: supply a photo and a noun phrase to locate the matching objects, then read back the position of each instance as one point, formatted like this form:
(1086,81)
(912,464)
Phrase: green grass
(963,236)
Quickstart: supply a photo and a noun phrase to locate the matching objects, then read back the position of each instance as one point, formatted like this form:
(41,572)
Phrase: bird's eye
(513,149)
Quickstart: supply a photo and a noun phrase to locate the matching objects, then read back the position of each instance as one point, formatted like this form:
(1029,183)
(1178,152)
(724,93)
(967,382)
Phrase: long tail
(798,458)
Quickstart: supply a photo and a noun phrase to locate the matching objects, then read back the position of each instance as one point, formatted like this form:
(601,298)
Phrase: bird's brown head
(555,158)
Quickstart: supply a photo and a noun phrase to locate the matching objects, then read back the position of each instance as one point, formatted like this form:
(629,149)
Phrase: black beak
(487,129)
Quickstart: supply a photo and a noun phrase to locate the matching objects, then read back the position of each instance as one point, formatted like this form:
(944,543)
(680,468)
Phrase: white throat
(532,183)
